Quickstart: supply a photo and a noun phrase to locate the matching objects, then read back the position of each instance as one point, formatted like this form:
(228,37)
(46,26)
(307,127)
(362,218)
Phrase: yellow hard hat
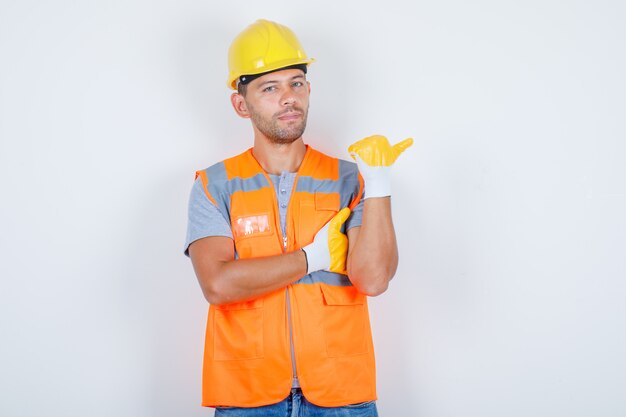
(262,47)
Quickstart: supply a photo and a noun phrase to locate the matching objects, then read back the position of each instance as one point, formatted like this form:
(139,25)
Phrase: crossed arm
(371,263)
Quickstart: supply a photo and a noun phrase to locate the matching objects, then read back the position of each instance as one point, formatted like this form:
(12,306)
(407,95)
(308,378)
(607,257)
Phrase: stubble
(273,131)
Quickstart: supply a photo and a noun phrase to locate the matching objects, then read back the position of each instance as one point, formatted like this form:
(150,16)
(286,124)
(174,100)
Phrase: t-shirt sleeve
(356,217)
(204,219)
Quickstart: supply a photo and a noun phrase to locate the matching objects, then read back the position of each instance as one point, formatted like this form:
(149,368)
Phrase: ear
(309,84)
(239,104)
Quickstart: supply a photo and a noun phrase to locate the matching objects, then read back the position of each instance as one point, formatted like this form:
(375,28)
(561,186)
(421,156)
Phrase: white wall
(510,207)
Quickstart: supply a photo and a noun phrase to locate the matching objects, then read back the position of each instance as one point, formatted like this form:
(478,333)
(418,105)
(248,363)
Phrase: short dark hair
(242,88)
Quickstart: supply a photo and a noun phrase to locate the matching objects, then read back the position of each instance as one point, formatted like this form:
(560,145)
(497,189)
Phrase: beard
(274,132)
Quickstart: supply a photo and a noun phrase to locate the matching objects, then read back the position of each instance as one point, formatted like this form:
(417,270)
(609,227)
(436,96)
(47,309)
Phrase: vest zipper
(294,383)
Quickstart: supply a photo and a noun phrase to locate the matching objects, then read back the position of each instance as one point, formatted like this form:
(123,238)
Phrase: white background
(510,208)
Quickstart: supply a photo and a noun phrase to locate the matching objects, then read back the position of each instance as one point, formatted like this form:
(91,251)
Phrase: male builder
(288,329)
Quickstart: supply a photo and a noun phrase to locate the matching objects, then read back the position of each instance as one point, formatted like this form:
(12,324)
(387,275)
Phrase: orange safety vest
(248,359)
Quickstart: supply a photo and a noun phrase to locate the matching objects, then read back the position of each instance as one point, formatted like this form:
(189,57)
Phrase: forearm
(245,279)
(373,255)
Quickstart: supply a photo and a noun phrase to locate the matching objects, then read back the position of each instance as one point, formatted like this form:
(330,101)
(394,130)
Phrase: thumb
(338,220)
(400,147)
(338,242)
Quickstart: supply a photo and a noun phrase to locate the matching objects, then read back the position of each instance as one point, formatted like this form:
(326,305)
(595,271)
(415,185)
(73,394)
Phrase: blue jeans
(297,406)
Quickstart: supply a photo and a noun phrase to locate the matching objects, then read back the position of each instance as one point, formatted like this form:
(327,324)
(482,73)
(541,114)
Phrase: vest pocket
(344,320)
(314,213)
(238,331)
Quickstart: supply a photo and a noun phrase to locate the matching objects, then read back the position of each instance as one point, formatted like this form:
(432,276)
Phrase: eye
(269,89)
(298,84)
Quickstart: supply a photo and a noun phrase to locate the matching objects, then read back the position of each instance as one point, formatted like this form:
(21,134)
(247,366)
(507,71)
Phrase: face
(278,105)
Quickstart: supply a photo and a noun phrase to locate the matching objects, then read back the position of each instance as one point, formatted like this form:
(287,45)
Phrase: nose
(288,98)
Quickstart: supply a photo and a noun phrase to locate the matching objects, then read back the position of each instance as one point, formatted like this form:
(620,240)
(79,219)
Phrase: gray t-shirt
(206,220)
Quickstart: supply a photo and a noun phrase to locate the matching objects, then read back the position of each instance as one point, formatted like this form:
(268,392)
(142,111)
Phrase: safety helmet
(263,46)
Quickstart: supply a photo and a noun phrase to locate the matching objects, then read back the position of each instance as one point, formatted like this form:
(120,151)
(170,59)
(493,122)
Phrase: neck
(276,158)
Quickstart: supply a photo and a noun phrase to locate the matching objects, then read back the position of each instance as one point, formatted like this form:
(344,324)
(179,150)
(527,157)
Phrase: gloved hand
(374,157)
(330,247)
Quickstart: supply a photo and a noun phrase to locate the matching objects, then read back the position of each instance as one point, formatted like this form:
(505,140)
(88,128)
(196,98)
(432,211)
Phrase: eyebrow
(264,83)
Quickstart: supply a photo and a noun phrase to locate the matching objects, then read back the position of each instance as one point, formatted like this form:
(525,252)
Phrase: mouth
(290,115)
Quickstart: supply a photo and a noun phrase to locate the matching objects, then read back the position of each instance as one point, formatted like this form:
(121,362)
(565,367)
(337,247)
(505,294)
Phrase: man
(288,329)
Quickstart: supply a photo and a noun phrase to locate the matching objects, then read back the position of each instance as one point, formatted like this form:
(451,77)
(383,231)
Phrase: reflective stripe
(348,173)
(326,277)
(219,187)
(247,184)
(312,185)
(216,175)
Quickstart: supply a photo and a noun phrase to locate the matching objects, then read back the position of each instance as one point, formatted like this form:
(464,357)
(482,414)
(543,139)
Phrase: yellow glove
(374,157)
(329,249)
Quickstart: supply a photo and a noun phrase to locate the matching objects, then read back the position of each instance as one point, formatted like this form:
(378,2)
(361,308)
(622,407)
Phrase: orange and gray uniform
(316,329)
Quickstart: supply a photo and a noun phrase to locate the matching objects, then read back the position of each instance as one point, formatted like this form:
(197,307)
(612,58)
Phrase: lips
(290,115)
